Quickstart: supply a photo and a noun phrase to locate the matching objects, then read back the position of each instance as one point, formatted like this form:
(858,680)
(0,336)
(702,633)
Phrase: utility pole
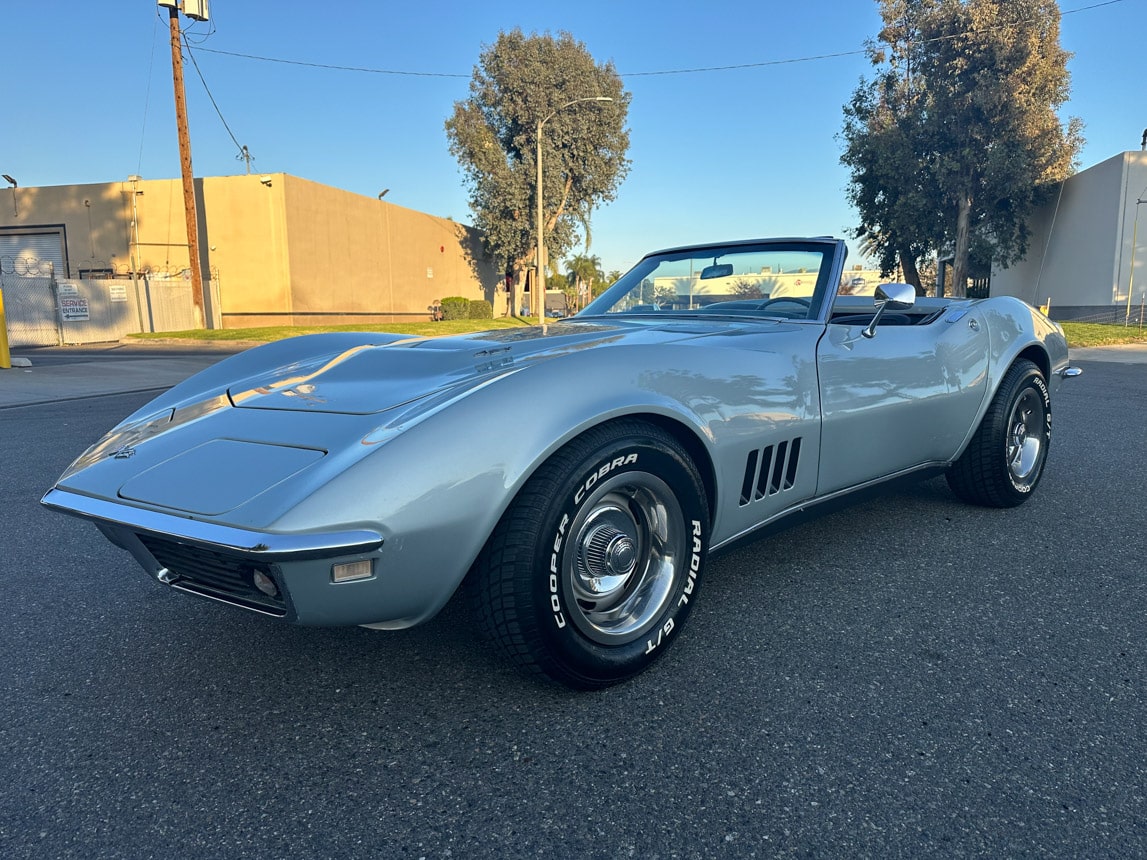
(185,166)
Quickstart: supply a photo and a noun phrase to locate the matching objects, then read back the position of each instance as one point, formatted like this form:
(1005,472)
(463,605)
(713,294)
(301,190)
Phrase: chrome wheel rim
(626,550)
(1027,437)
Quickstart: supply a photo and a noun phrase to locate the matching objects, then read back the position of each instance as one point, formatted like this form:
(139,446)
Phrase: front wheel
(1004,461)
(593,570)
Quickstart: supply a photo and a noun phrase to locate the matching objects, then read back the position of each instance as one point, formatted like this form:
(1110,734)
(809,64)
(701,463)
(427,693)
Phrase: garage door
(27,252)
(29,262)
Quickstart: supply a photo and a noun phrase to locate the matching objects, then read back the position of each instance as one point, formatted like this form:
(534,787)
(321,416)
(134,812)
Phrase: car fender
(1015,330)
(436,501)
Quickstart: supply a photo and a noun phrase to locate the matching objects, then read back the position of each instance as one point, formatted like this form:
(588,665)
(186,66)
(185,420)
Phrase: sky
(86,96)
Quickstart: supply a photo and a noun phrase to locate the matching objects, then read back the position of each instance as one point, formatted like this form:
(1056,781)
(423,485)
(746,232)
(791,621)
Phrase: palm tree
(584,271)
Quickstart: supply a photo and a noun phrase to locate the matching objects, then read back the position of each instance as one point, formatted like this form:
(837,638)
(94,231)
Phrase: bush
(455,308)
(481,310)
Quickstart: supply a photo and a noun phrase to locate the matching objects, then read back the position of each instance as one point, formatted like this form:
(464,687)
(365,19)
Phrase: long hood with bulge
(369,379)
(214,453)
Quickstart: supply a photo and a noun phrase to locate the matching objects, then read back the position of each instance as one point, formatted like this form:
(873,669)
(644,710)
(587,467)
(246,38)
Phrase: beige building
(1088,247)
(280,250)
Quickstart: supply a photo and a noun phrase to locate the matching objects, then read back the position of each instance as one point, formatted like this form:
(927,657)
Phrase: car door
(756,389)
(905,397)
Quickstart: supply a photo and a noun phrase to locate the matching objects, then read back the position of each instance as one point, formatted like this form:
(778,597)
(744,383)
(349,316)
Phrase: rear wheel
(593,570)
(1004,461)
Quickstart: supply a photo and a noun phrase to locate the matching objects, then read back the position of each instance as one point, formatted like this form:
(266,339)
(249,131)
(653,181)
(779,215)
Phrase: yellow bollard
(5,355)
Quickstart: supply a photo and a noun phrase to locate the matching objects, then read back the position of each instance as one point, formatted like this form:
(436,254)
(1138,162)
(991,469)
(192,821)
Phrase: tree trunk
(516,285)
(911,273)
(960,252)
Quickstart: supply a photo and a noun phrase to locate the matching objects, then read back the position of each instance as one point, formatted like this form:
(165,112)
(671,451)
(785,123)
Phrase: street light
(13,183)
(540,270)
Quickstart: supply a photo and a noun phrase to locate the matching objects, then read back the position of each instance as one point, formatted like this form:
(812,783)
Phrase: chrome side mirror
(896,297)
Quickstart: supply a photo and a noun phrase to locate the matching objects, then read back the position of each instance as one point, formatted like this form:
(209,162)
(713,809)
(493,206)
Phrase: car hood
(372,378)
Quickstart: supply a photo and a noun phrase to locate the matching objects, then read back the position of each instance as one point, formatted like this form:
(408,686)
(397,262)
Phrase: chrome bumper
(257,546)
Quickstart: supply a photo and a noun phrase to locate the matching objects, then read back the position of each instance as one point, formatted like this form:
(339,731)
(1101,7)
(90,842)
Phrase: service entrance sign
(74,309)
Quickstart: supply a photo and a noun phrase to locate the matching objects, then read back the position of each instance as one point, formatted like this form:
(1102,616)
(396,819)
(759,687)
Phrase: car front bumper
(288,576)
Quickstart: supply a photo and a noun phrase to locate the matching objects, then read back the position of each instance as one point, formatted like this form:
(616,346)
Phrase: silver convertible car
(574,477)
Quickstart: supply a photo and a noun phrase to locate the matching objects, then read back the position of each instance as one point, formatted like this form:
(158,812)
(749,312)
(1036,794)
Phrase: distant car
(574,477)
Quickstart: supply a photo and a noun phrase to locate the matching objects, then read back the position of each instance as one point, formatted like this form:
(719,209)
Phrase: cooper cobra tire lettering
(578,498)
(597,563)
(605,469)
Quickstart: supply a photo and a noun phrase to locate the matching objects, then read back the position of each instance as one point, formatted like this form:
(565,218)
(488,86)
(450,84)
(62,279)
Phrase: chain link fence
(29,302)
(43,310)
(1115,314)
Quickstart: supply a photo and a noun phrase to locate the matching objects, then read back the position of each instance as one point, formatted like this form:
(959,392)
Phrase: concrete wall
(94,218)
(285,251)
(352,255)
(1134,189)
(246,239)
(1079,254)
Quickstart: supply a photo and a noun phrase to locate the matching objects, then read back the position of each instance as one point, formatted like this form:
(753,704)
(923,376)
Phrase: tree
(956,139)
(743,288)
(901,219)
(520,81)
(664,295)
(584,272)
(600,286)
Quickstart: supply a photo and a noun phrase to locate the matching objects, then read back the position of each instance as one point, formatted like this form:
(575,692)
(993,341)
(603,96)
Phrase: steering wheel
(793,300)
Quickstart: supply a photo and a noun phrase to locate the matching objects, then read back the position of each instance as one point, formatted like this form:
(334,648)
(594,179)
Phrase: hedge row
(461,308)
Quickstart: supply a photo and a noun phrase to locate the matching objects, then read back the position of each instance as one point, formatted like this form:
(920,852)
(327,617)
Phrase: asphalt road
(907,677)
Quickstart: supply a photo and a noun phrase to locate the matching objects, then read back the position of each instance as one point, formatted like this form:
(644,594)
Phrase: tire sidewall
(588,662)
(1029,378)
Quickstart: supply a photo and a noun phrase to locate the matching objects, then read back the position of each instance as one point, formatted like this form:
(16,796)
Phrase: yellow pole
(5,355)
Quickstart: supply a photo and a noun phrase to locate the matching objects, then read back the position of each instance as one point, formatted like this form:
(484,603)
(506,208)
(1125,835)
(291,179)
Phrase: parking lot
(907,677)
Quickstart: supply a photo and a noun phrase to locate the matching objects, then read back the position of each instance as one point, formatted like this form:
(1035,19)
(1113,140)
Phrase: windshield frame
(824,292)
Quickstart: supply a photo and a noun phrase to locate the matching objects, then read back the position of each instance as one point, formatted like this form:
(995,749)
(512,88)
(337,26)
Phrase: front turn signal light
(349,571)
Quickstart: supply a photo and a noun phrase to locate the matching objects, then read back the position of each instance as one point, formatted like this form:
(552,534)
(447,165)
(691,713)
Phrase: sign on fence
(74,308)
(45,311)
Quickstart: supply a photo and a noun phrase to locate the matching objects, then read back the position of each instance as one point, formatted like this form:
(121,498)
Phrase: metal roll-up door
(27,253)
(30,260)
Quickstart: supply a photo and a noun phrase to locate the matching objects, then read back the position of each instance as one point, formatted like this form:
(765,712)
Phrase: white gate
(45,310)
(30,302)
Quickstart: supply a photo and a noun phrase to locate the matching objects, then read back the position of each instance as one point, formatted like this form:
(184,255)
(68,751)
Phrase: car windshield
(761,280)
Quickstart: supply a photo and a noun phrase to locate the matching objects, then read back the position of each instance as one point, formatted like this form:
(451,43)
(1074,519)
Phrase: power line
(336,68)
(741,65)
(242,149)
(689,71)
(842,53)
(147,95)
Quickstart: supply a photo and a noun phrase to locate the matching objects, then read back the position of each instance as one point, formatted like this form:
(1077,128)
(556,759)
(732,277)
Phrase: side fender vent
(770,470)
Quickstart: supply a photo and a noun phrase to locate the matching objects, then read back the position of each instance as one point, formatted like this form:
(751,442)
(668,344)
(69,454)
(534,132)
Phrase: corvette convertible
(571,478)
